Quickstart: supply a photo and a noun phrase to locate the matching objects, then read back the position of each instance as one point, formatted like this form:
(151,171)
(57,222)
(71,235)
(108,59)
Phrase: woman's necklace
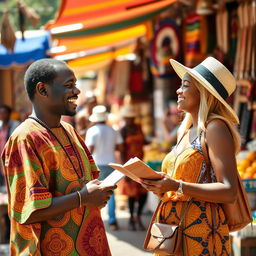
(81,178)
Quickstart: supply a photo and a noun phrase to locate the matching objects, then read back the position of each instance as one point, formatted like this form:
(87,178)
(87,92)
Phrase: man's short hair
(43,70)
(7,108)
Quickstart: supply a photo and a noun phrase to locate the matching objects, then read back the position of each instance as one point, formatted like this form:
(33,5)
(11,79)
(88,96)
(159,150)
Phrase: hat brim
(129,116)
(95,119)
(181,70)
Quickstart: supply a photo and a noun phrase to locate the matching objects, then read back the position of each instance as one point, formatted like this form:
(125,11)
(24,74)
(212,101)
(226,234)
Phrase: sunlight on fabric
(67,28)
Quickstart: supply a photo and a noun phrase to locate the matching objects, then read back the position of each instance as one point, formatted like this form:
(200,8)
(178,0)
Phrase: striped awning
(90,27)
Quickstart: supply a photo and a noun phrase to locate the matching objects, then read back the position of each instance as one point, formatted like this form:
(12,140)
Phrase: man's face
(4,115)
(63,93)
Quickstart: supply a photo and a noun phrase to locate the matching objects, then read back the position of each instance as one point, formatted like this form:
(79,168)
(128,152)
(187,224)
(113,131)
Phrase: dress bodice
(188,166)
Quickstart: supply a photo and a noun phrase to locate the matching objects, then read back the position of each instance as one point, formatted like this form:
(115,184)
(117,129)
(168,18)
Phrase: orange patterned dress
(198,236)
(38,169)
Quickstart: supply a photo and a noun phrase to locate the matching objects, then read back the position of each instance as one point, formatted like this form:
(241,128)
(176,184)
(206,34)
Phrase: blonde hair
(210,108)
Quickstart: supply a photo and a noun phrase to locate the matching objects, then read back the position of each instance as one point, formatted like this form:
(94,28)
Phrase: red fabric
(136,82)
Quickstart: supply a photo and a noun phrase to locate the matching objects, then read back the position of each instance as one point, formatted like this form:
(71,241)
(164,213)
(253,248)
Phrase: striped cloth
(195,40)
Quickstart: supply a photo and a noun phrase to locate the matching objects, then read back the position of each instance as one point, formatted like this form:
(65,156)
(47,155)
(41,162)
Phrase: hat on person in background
(214,76)
(99,114)
(128,111)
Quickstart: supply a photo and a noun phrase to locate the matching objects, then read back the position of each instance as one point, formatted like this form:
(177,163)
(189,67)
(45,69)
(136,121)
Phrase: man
(102,141)
(82,117)
(54,198)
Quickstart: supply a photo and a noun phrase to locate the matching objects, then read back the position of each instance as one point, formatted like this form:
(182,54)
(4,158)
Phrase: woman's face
(188,95)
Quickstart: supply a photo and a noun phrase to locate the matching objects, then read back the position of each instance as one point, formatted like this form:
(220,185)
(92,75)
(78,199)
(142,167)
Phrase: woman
(202,97)
(133,147)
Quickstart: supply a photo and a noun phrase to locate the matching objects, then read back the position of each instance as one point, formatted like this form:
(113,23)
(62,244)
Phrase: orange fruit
(254,164)
(241,174)
(244,163)
(239,168)
(249,171)
(251,156)
(246,176)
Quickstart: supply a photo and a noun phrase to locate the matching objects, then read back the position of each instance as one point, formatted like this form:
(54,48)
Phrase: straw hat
(99,114)
(128,111)
(214,76)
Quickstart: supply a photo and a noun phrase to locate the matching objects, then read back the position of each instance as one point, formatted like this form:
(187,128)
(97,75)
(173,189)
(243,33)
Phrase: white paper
(113,178)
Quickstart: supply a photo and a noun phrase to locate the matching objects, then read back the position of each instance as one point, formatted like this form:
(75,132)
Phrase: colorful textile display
(193,32)
(165,45)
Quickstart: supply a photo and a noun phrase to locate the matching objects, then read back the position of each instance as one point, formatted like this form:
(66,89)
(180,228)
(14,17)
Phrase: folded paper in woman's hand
(136,169)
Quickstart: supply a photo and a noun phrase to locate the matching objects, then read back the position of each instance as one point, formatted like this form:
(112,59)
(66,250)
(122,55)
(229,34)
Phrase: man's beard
(69,113)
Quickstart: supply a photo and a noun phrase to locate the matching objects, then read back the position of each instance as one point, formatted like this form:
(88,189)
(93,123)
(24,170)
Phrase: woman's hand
(159,187)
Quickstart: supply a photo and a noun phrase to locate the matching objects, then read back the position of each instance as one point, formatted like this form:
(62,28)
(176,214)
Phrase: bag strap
(150,225)
(208,170)
(205,150)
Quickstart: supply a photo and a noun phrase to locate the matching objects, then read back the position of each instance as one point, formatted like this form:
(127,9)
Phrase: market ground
(123,241)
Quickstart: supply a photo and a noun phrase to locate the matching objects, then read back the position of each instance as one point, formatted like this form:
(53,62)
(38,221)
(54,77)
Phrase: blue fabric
(112,210)
(31,49)
(105,170)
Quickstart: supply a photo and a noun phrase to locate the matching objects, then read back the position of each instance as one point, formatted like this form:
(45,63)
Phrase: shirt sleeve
(90,138)
(28,186)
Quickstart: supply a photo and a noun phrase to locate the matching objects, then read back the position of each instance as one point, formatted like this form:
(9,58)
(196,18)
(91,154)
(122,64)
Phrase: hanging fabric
(165,45)
(193,40)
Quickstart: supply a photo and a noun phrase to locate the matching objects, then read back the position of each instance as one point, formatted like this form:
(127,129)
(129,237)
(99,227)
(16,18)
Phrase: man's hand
(96,195)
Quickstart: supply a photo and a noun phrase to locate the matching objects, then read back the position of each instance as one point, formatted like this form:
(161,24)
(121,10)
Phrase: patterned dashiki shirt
(37,169)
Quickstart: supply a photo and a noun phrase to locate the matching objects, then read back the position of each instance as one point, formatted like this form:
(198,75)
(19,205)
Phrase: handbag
(162,238)
(238,214)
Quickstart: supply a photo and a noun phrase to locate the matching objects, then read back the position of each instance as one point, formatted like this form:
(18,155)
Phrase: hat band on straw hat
(211,78)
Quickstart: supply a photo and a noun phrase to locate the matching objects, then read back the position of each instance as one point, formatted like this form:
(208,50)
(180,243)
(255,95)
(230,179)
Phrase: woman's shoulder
(216,125)
(217,129)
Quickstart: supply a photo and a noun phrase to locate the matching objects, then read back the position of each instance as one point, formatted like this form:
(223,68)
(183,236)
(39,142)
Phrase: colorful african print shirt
(38,169)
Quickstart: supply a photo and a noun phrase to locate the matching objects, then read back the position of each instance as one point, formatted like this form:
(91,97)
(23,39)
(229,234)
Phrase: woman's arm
(222,157)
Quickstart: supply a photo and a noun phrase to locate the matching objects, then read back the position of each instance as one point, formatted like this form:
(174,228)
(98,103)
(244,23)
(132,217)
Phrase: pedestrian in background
(104,142)
(82,122)
(133,147)
(7,126)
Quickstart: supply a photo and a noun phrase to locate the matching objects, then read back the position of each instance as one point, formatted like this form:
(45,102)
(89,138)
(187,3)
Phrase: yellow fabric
(197,238)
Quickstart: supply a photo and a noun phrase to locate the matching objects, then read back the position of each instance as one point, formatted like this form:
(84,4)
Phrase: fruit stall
(246,165)
(244,241)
